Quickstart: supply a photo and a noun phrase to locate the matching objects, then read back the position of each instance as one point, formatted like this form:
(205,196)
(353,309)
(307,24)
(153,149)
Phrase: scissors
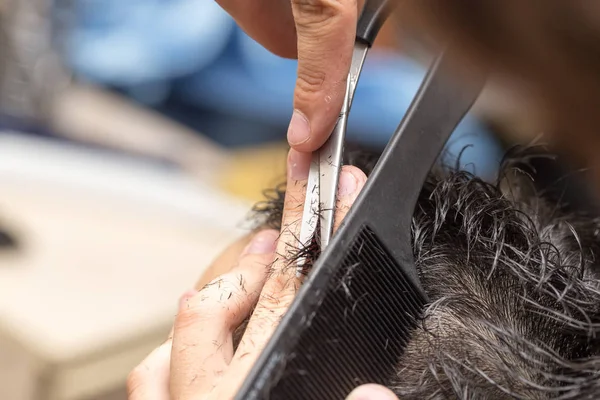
(326,163)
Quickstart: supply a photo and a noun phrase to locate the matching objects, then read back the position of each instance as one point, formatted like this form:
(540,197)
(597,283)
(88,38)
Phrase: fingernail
(371,392)
(299,129)
(262,243)
(347,184)
(298,165)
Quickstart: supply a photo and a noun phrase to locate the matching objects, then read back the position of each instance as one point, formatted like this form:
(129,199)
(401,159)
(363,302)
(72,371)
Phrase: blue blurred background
(189,61)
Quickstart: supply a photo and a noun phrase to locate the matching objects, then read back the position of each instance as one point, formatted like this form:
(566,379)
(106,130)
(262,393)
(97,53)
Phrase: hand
(372,392)
(198,360)
(320,33)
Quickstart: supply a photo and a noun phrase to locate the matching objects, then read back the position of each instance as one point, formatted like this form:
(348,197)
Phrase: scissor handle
(372,18)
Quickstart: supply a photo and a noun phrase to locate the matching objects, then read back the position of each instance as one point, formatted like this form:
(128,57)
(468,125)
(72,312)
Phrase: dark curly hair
(512,278)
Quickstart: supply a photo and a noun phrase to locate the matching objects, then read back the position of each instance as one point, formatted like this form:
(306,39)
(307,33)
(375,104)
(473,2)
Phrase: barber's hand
(320,33)
(198,360)
(372,392)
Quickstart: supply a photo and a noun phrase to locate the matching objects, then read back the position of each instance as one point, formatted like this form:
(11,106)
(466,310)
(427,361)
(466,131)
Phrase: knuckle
(316,13)
(220,300)
(311,79)
(211,303)
(188,317)
(215,290)
(135,381)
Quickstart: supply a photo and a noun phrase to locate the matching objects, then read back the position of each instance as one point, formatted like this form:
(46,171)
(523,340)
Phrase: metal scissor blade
(310,214)
(323,177)
(330,155)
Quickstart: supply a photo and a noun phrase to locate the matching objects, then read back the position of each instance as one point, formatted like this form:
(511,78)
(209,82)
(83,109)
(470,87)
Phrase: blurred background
(134,137)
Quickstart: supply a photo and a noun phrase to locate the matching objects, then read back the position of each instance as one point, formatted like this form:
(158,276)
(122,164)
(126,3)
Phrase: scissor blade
(330,155)
(325,169)
(310,214)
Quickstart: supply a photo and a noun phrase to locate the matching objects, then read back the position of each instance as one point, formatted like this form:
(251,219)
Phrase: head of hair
(512,278)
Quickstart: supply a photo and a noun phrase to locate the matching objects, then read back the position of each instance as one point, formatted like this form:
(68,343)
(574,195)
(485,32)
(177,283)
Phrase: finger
(150,379)
(280,288)
(326,31)
(202,343)
(351,183)
(226,261)
(371,392)
(268,22)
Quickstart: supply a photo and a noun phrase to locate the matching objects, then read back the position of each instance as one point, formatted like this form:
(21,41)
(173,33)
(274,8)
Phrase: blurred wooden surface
(91,114)
(108,246)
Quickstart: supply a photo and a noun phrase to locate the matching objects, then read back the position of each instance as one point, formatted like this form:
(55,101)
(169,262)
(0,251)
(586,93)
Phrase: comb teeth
(359,331)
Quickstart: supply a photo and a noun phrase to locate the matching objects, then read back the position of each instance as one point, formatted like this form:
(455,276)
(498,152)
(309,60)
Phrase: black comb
(353,317)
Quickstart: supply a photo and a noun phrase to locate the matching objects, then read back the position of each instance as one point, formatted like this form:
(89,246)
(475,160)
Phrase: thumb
(371,392)
(326,31)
